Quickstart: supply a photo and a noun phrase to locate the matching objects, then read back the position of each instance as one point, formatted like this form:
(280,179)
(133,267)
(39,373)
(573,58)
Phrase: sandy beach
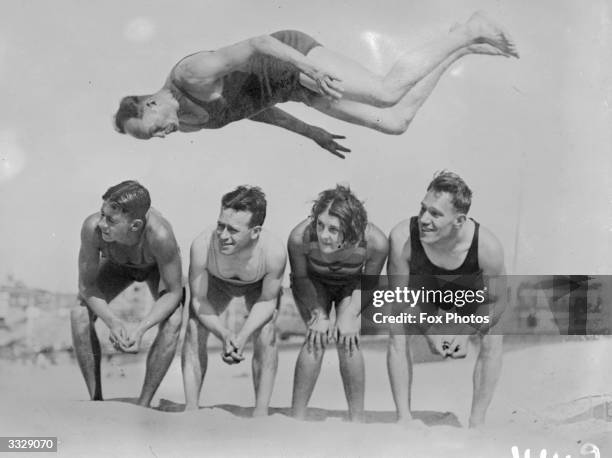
(550,396)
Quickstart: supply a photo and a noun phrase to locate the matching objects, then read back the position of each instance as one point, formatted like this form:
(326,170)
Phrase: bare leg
(307,370)
(352,372)
(264,365)
(160,355)
(415,66)
(395,120)
(486,374)
(87,349)
(352,368)
(194,361)
(111,283)
(361,85)
(399,366)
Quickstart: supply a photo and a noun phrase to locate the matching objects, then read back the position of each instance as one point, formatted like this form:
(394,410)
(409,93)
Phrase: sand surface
(550,396)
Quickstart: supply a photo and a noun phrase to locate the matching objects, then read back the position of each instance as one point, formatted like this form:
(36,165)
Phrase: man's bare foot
(480,48)
(476,421)
(191,407)
(487,31)
(260,412)
(487,49)
(299,414)
(411,423)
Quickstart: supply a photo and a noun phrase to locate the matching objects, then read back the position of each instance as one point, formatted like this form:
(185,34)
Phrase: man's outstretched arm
(321,137)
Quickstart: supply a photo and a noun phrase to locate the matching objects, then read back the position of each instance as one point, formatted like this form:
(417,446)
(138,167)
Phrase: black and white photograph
(306,229)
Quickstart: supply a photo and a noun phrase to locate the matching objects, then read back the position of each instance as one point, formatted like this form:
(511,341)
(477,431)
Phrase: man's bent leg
(111,280)
(362,86)
(160,355)
(413,66)
(486,374)
(397,119)
(87,349)
(264,366)
(194,361)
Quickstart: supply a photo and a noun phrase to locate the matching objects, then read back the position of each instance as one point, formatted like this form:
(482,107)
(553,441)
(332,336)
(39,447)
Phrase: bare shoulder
(376,238)
(159,232)
(91,222)
(296,237)
(199,246)
(188,70)
(274,249)
(490,252)
(89,227)
(400,234)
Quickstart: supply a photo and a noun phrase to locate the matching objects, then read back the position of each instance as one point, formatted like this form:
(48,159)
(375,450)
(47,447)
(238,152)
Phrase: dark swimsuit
(266,82)
(337,279)
(424,274)
(136,272)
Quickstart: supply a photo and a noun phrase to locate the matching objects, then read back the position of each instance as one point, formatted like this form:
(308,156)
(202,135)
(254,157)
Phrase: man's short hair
(130,197)
(247,198)
(129,107)
(453,184)
(345,206)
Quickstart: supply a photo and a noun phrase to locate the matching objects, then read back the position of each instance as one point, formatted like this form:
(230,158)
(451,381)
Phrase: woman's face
(329,233)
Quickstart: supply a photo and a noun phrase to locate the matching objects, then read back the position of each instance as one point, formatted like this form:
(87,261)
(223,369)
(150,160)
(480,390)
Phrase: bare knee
(172,324)
(196,338)
(397,343)
(80,319)
(267,335)
(344,350)
(491,347)
(191,333)
(382,94)
(394,125)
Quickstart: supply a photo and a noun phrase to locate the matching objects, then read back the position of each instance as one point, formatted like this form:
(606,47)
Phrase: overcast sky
(531,137)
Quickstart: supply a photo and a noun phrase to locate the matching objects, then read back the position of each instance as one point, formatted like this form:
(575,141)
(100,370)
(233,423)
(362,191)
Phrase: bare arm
(89,263)
(277,117)
(491,261)
(398,268)
(348,323)
(399,276)
(263,309)
(198,285)
(378,249)
(167,254)
(305,293)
